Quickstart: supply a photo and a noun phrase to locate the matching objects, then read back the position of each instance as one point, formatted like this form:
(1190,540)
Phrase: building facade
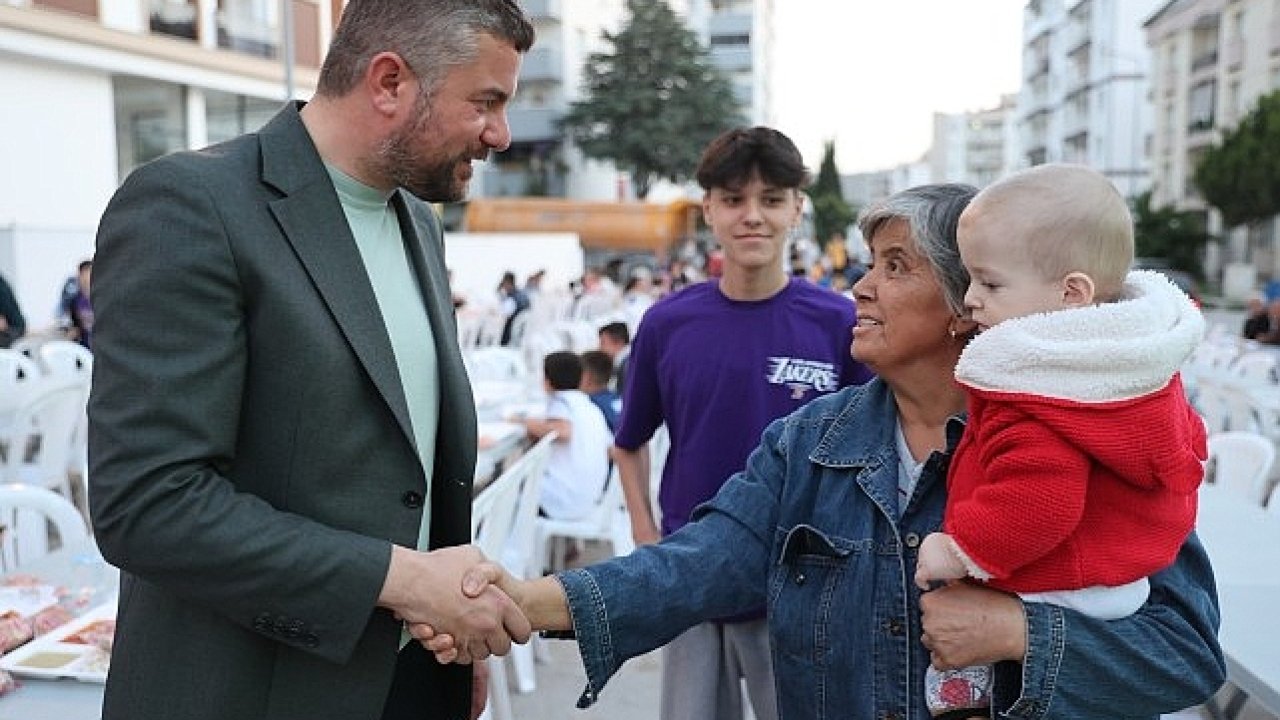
(1212,59)
(93,88)
(975,147)
(739,36)
(1084,87)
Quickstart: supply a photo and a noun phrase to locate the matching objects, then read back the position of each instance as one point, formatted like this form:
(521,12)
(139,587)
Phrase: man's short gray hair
(432,36)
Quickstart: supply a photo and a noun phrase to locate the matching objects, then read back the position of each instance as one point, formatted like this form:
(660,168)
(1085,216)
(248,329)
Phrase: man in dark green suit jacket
(277,452)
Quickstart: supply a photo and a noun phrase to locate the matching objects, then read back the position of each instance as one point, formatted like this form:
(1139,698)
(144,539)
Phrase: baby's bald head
(1067,218)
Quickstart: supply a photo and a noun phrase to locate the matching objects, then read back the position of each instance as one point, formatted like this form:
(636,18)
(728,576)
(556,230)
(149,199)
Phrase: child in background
(579,463)
(597,370)
(1076,476)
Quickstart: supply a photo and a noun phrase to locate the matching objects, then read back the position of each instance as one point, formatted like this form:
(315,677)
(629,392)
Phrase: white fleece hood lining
(1111,351)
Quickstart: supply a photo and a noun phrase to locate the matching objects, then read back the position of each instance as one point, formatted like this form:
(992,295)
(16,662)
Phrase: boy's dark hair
(730,160)
(616,331)
(597,365)
(563,370)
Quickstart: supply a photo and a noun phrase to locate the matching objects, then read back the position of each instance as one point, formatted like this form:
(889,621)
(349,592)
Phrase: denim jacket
(812,528)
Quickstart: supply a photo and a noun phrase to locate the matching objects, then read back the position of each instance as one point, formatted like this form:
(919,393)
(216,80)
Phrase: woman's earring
(953,333)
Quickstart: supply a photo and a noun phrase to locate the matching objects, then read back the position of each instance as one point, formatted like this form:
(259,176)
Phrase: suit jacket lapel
(312,220)
(456,434)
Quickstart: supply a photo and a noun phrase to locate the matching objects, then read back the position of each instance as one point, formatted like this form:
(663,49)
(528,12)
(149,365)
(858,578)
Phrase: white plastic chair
(1241,463)
(41,436)
(68,360)
(496,363)
(18,375)
(1255,368)
(492,519)
(608,522)
(520,549)
(26,512)
(501,519)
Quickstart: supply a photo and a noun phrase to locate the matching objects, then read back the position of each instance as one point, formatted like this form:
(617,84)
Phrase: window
(150,120)
(174,17)
(1200,110)
(231,115)
(249,26)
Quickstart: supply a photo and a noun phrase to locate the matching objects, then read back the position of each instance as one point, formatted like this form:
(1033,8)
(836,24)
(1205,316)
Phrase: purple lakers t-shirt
(718,371)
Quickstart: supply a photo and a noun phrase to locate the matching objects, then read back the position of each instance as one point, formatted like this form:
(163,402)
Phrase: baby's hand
(938,562)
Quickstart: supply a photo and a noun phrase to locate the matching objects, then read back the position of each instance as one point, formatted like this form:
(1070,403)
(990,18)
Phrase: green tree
(1241,175)
(830,211)
(1174,235)
(654,102)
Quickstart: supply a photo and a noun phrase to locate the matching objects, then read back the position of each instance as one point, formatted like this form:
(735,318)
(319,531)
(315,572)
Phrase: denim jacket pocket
(802,591)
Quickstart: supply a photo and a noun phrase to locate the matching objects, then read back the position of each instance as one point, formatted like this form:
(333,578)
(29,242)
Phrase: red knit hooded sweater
(1081,459)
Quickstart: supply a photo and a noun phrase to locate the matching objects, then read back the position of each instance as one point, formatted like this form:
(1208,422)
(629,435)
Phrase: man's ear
(385,79)
(1077,290)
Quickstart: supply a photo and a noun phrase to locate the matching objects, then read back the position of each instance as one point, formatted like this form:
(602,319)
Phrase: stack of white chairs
(500,519)
(42,415)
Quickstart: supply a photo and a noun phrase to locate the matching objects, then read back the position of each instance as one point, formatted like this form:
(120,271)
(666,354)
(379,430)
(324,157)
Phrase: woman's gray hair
(432,36)
(931,213)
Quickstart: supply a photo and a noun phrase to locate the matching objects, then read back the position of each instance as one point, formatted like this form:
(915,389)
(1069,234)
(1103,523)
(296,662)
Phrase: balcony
(1200,132)
(534,124)
(542,65)
(1204,59)
(247,34)
(546,10)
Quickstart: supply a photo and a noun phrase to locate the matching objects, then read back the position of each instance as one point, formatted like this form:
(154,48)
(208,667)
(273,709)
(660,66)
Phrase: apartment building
(1212,59)
(93,88)
(739,36)
(1084,90)
(737,33)
(975,147)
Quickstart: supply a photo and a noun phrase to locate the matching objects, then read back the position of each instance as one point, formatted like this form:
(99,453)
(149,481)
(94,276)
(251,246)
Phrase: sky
(870,74)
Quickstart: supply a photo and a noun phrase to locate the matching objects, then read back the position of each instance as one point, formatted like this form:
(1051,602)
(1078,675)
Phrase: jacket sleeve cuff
(591,626)
(1024,693)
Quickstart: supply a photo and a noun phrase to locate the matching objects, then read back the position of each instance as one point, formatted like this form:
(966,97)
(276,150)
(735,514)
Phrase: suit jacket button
(412,499)
(262,623)
(310,640)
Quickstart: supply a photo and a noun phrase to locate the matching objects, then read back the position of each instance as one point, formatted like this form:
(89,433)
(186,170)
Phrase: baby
(1076,477)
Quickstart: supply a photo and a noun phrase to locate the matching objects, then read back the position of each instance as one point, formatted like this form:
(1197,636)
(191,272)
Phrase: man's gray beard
(434,182)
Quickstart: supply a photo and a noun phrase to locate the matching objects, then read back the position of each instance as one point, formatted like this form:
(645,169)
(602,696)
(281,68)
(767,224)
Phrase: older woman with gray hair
(824,524)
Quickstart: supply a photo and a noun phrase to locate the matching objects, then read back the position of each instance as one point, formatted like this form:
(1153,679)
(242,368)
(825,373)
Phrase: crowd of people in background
(73,315)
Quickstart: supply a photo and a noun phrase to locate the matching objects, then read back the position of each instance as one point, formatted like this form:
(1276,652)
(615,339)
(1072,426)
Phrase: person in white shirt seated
(579,463)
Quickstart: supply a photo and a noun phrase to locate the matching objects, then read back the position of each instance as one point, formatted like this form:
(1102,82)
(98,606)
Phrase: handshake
(465,608)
